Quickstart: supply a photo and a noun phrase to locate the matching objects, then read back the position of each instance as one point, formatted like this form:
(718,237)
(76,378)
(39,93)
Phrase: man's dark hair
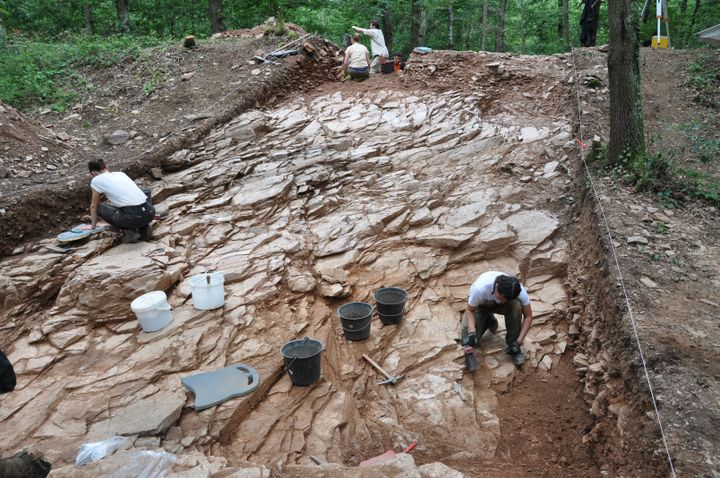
(508,286)
(96,165)
(375,24)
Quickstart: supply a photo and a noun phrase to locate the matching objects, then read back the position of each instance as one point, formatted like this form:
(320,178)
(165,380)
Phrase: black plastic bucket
(355,318)
(301,360)
(390,304)
(388,67)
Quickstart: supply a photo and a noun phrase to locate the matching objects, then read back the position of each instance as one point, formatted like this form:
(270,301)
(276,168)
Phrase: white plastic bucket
(152,310)
(208,290)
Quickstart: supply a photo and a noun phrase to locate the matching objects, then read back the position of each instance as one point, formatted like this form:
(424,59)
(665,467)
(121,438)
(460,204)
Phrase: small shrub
(703,142)
(700,75)
(700,185)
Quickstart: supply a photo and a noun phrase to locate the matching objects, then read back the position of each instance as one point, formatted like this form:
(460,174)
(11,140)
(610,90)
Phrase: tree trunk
(387,28)
(484,25)
(522,26)
(123,15)
(559,25)
(418,28)
(415,25)
(694,16)
(596,22)
(451,19)
(89,20)
(627,138)
(500,32)
(566,22)
(215,7)
(422,27)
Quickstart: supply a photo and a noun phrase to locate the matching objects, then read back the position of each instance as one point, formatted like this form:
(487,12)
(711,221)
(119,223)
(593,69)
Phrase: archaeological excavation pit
(317,201)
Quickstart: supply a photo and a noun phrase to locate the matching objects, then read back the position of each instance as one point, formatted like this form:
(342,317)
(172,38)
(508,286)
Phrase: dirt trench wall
(51,207)
(625,433)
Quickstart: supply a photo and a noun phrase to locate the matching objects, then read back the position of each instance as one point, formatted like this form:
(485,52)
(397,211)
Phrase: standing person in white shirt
(498,293)
(377,44)
(357,60)
(127,208)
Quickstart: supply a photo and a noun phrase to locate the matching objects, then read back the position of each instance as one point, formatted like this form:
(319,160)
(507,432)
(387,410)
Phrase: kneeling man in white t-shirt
(498,293)
(127,207)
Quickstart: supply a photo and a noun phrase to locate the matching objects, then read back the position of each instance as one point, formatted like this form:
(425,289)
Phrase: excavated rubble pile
(304,207)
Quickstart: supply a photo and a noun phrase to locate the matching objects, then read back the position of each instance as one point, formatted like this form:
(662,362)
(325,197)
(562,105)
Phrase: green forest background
(41,41)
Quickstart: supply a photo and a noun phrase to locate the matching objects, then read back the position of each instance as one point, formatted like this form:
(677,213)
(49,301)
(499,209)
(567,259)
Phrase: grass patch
(661,175)
(45,73)
(700,75)
(703,143)
(700,185)
(703,78)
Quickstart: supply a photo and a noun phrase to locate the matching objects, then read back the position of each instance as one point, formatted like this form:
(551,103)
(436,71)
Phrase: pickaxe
(391,379)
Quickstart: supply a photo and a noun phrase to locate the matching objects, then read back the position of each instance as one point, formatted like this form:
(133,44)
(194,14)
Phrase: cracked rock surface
(318,201)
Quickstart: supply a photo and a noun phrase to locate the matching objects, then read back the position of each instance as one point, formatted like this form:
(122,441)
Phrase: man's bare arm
(527,322)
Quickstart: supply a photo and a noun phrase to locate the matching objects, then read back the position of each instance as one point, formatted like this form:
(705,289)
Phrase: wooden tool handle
(372,362)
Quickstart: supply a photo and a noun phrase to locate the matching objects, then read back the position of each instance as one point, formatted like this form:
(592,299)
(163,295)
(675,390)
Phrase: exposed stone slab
(261,189)
(149,416)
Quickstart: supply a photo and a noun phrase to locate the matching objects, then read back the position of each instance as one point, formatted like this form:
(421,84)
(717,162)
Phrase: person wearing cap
(493,293)
(377,44)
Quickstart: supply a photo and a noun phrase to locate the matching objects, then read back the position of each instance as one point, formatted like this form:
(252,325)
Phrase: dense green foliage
(45,43)
(45,72)
(532,26)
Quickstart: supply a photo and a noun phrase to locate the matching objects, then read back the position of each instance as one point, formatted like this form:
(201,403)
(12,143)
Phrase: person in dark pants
(357,60)
(127,208)
(27,463)
(498,293)
(377,45)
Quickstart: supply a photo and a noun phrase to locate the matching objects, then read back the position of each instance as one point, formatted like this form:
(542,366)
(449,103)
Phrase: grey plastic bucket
(301,360)
(355,318)
(390,304)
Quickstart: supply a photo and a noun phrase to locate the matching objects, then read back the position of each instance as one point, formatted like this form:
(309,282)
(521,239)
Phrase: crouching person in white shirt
(127,208)
(498,293)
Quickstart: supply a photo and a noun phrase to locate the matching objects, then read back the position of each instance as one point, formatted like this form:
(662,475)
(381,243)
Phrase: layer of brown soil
(209,86)
(26,146)
(670,276)
(543,421)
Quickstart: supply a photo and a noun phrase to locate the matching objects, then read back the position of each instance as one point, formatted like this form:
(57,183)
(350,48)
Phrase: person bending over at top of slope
(498,293)
(127,207)
(377,44)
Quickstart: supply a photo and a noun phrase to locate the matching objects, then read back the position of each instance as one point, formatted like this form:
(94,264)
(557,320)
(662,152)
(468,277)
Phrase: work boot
(130,236)
(515,351)
(145,233)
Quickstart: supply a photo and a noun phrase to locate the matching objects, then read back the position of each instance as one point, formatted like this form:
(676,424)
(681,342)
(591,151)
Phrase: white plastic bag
(98,450)
(145,464)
